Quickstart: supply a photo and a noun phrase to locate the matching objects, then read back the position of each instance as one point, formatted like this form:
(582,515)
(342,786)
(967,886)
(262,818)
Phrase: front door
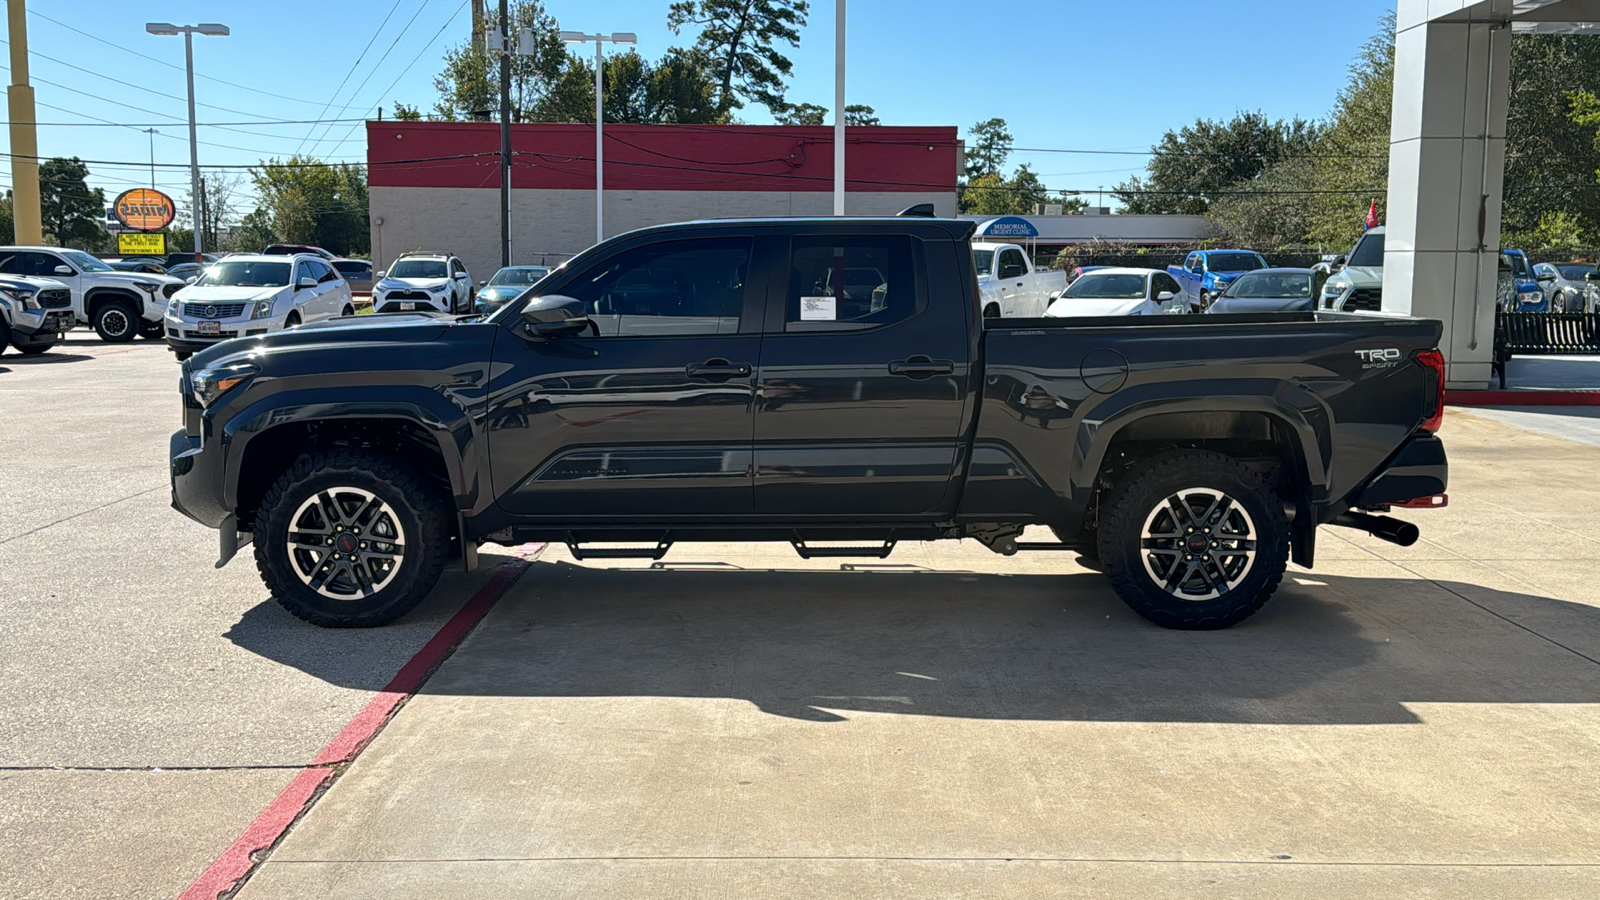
(649,419)
(863,387)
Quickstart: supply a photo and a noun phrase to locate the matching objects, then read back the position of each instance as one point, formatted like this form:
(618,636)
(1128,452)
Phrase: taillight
(1433,361)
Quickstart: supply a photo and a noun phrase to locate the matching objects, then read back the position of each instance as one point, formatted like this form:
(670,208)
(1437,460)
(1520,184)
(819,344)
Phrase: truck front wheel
(1195,542)
(116,322)
(350,539)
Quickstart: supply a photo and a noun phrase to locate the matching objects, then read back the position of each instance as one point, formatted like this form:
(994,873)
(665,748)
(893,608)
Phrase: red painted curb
(1522,398)
(236,863)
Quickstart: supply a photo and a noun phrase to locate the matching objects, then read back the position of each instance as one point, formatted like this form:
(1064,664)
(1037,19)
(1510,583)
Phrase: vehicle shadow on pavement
(46,359)
(816,645)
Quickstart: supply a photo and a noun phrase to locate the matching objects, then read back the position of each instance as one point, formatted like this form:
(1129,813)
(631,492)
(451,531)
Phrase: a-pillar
(1446,158)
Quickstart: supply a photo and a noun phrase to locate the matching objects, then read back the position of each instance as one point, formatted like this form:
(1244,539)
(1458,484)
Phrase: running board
(581,553)
(881,551)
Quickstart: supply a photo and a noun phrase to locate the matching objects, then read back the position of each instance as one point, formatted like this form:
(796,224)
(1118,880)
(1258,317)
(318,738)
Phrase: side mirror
(378,274)
(1340,261)
(1547,279)
(1164,296)
(305,281)
(483,284)
(556,316)
(64,270)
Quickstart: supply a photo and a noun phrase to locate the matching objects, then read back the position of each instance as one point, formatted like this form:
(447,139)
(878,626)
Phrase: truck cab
(1009,284)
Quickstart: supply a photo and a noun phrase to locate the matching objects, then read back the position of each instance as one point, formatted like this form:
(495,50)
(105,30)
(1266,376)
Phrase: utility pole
(152,132)
(838,108)
(24,133)
(505,134)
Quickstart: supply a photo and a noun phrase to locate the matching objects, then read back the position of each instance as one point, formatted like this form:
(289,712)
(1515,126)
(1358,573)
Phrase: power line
(343,81)
(418,54)
(374,70)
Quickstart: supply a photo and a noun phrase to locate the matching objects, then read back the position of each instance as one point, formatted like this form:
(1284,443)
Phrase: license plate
(210,328)
(407,307)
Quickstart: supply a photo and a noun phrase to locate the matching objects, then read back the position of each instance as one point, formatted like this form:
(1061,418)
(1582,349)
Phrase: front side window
(26,263)
(419,268)
(357,270)
(240,273)
(1011,261)
(677,288)
(851,283)
(325,272)
(1368,251)
(1195,263)
(1110,286)
(1165,282)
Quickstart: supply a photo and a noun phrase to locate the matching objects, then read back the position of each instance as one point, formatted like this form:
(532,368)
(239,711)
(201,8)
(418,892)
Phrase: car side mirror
(1340,261)
(64,270)
(378,274)
(1164,296)
(556,316)
(483,284)
(1547,279)
(305,281)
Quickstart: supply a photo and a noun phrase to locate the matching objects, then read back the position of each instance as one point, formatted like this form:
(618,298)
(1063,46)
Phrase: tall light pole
(188,32)
(578,37)
(838,108)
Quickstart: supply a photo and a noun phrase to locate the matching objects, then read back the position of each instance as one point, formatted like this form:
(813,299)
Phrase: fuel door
(1104,370)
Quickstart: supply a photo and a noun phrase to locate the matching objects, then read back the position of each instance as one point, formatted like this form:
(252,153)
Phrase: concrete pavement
(734,722)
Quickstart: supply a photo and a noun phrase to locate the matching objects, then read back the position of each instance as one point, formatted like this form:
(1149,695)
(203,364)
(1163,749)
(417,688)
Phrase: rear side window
(353,269)
(1011,261)
(691,287)
(850,283)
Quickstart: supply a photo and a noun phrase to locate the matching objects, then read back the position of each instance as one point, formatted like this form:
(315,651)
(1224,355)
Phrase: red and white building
(436,185)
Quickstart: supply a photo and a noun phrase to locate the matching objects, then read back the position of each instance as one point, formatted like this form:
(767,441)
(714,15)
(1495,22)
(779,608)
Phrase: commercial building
(436,185)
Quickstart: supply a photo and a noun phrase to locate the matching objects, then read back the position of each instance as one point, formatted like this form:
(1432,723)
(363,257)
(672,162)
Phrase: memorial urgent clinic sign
(143,210)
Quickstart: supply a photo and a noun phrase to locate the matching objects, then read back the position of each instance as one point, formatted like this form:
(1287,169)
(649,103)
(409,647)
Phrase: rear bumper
(196,480)
(1420,469)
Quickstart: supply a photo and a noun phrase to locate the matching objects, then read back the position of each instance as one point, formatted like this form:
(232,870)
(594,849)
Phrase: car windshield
(1235,262)
(1110,286)
(418,268)
(1574,273)
(984,260)
(519,275)
(1263,285)
(86,262)
(1368,251)
(245,274)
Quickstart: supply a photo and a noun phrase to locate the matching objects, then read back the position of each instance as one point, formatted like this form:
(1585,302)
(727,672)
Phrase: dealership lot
(734,721)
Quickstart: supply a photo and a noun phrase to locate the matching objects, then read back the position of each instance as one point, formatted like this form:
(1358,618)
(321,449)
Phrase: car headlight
(148,287)
(209,384)
(1526,297)
(26,298)
(172,307)
(261,309)
(1331,290)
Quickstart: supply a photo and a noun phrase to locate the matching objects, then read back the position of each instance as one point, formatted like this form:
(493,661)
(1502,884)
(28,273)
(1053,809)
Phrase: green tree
(69,212)
(860,114)
(8,224)
(407,113)
(802,114)
(1552,147)
(1191,166)
(682,91)
(740,40)
(255,231)
(988,148)
(312,202)
(676,90)
(990,194)
(469,86)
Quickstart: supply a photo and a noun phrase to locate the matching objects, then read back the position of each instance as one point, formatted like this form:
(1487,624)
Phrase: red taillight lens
(1433,361)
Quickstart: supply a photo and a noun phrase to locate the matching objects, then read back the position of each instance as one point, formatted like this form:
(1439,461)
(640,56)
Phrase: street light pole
(188,32)
(838,108)
(578,37)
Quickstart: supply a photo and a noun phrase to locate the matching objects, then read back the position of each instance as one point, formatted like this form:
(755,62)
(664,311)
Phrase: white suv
(424,282)
(120,305)
(248,295)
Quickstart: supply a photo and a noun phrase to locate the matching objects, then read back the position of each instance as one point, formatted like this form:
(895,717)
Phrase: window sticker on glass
(818,309)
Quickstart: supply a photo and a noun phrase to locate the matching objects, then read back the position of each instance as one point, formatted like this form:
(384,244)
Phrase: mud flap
(469,547)
(229,540)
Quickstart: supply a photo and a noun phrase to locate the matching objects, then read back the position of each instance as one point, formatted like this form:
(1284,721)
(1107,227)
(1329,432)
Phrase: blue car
(1205,274)
(1518,290)
(506,285)
(1270,291)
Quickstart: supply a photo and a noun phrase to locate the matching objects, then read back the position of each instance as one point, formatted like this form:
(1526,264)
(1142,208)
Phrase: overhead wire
(414,58)
(378,65)
(351,71)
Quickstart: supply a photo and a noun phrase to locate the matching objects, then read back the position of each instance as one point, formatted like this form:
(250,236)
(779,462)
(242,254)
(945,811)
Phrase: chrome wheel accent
(345,543)
(115,322)
(1198,544)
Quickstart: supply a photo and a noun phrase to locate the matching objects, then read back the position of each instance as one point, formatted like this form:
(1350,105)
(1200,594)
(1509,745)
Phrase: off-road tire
(154,331)
(1122,539)
(33,349)
(419,507)
(992,311)
(181,355)
(117,322)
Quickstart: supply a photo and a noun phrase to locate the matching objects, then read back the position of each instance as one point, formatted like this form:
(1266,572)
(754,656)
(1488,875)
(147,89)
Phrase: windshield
(86,262)
(245,274)
(1368,251)
(1275,285)
(418,268)
(1111,286)
(519,275)
(984,260)
(1574,273)
(1235,262)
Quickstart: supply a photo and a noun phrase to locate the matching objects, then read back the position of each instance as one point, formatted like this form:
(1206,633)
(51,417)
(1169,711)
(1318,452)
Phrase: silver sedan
(1567,287)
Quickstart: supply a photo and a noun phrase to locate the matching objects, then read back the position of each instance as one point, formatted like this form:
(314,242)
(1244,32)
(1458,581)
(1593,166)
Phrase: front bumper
(184,334)
(398,306)
(42,328)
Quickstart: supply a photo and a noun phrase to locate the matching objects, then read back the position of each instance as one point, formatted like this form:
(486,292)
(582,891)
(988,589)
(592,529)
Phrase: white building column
(1446,160)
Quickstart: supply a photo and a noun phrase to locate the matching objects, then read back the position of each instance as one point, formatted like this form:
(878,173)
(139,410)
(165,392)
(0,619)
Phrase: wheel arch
(95,298)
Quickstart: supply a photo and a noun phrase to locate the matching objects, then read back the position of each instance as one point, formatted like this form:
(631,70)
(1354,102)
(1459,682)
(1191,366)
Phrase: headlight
(261,309)
(26,298)
(1530,297)
(1332,290)
(147,287)
(209,384)
(172,307)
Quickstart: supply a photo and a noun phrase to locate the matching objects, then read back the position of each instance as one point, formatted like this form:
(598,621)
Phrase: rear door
(649,420)
(863,391)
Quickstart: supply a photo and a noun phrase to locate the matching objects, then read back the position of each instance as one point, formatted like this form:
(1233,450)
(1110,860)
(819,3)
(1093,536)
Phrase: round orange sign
(144,209)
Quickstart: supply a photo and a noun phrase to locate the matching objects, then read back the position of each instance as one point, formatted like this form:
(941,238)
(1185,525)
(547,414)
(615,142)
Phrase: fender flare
(130,293)
(443,419)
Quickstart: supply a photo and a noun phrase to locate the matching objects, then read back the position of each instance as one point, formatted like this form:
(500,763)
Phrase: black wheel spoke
(329,551)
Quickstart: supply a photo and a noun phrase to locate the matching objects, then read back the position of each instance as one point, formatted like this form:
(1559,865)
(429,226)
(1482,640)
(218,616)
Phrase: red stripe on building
(663,157)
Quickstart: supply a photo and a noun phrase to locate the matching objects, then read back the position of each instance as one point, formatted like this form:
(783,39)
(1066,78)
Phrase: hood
(1075,307)
(32,282)
(431,284)
(1360,276)
(224,293)
(397,329)
(136,276)
(1226,305)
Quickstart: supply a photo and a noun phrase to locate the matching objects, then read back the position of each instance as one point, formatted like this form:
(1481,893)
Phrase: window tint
(1368,251)
(675,288)
(1011,257)
(984,260)
(24,263)
(1165,282)
(326,273)
(353,269)
(850,283)
(1236,262)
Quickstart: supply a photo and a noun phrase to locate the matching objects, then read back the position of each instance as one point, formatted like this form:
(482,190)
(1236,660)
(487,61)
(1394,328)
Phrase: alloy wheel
(345,543)
(1198,544)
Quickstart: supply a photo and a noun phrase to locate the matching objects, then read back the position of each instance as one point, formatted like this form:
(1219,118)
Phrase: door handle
(921,367)
(716,368)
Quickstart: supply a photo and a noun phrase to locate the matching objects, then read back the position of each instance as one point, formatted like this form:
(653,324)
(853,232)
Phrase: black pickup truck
(825,382)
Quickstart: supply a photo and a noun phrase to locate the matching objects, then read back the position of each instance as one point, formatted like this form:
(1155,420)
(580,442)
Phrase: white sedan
(1121,292)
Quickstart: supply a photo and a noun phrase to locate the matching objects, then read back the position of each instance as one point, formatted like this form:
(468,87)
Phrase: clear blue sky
(1065,74)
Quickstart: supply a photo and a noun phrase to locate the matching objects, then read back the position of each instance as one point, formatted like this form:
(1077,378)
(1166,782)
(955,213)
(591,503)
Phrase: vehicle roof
(1279,270)
(365,262)
(1122,270)
(271,257)
(956,227)
(1230,250)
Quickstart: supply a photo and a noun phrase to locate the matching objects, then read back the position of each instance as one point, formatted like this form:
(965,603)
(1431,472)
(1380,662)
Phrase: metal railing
(1547,332)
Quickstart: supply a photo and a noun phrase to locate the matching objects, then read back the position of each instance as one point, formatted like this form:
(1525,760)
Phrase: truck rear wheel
(350,539)
(1195,542)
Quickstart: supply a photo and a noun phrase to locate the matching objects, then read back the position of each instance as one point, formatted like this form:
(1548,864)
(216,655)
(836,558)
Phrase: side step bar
(580,552)
(881,551)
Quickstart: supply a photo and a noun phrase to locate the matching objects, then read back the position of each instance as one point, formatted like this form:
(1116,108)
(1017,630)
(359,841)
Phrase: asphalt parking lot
(736,722)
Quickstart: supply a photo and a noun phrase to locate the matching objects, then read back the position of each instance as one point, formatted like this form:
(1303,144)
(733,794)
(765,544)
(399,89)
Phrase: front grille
(1364,299)
(408,295)
(198,310)
(171,289)
(55,299)
(210,337)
